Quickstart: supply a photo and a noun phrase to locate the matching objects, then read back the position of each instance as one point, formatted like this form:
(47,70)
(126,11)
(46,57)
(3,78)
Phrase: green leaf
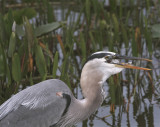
(93,41)
(20,30)
(55,65)
(4,68)
(16,68)
(87,5)
(112,90)
(12,44)
(31,79)
(43,29)
(8,22)
(3,35)
(110,41)
(68,82)
(50,14)
(40,62)
(8,75)
(156,31)
(64,69)
(83,45)
(2,63)
(134,45)
(29,34)
(124,34)
(148,37)
(116,28)
(25,12)
(127,17)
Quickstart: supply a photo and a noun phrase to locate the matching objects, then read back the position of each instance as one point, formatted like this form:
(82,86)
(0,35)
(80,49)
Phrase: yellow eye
(108,59)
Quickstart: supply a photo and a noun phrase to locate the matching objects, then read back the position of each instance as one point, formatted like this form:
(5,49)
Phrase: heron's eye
(108,59)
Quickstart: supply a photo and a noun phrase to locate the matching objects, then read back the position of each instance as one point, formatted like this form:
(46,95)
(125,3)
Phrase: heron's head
(108,63)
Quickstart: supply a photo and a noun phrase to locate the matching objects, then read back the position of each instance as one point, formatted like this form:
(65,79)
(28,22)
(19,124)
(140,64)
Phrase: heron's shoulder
(52,83)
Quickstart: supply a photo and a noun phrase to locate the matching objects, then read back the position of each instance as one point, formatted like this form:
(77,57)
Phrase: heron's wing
(38,103)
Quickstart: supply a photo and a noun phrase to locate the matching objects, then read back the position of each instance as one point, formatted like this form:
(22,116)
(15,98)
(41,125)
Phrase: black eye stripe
(98,55)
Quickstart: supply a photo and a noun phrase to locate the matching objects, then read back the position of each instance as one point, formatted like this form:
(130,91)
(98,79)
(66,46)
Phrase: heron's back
(35,106)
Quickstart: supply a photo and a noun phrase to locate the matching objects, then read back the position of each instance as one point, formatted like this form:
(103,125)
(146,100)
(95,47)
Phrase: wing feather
(38,103)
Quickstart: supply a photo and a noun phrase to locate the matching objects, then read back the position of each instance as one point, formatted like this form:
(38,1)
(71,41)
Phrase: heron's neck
(92,92)
(81,109)
(93,97)
(92,102)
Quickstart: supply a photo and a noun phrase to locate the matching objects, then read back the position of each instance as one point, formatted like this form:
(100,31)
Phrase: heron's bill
(131,58)
(127,65)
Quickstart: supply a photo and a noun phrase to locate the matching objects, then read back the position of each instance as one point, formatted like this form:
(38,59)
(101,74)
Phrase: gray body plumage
(35,106)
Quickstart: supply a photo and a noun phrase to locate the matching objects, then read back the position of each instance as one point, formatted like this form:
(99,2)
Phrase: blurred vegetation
(41,39)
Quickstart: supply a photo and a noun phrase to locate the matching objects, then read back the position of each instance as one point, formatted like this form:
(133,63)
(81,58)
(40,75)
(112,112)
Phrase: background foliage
(41,39)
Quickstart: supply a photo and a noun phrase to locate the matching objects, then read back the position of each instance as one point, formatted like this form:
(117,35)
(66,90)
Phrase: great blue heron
(51,103)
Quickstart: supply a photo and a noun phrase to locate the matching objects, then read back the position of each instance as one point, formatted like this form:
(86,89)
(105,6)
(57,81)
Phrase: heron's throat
(92,91)
(91,83)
